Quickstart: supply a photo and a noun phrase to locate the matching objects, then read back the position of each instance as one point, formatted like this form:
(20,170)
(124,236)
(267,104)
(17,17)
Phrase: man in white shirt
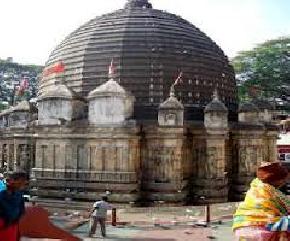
(99,214)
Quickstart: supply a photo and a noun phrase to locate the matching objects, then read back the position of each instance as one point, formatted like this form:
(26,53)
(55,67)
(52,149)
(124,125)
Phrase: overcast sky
(30,29)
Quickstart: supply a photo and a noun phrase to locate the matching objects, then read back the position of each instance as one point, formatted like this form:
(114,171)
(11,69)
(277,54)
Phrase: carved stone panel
(211,165)
(248,160)
(164,163)
(68,157)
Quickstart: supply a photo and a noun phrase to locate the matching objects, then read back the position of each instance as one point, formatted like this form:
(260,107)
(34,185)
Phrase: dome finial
(138,4)
(172,91)
(112,70)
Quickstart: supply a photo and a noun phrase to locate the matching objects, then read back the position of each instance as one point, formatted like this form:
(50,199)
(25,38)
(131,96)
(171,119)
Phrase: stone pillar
(211,183)
(163,159)
(162,163)
(247,156)
(248,150)
(270,143)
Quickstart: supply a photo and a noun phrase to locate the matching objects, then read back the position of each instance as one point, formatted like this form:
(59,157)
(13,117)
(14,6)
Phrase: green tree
(264,70)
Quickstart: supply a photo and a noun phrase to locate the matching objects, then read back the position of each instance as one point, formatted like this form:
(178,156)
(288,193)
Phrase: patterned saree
(263,216)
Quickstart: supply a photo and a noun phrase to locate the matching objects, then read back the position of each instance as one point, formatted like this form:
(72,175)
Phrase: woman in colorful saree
(263,216)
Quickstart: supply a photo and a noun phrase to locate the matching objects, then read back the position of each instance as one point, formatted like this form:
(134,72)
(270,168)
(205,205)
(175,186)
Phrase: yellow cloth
(263,204)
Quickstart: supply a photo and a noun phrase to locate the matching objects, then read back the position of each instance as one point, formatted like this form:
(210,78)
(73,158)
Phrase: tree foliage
(264,70)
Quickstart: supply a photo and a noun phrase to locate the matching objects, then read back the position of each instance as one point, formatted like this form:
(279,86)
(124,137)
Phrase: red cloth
(55,69)
(9,233)
(36,224)
(272,172)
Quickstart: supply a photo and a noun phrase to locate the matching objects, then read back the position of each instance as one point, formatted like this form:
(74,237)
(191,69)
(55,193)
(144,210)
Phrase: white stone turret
(249,113)
(171,111)
(216,113)
(55,104)
(109,103)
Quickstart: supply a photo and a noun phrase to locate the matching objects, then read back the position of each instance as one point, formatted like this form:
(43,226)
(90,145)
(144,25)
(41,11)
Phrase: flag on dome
(57,68)
(179,79)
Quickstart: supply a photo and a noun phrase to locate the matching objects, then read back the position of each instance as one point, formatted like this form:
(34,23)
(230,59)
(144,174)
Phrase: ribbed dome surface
(149,47)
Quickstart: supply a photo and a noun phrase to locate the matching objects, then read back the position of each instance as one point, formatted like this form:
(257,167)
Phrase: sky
(30,29)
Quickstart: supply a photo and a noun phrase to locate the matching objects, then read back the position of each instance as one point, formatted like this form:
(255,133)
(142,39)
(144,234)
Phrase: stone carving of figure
(170,119)
(211,163)
(248,159)
(243,160)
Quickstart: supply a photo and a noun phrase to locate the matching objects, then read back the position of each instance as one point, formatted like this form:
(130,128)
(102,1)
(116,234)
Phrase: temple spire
(112,70)
(172,91)
(138,4)
(215,95)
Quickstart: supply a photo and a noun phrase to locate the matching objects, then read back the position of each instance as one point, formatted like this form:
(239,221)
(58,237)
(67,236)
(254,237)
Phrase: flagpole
(13,95)
(176,82)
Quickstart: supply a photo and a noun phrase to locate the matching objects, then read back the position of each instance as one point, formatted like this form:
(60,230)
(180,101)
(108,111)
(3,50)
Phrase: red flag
(59,67)
(24,84)
(179,79)
(112,69)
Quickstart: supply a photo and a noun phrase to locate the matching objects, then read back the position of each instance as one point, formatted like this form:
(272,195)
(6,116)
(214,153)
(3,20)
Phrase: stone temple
(137,133)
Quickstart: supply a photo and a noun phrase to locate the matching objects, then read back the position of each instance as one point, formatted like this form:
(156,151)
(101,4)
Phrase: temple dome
(248,107)
(262,104)
(149,47)
(216,105)
(171,103)
(56,91)
(110,87)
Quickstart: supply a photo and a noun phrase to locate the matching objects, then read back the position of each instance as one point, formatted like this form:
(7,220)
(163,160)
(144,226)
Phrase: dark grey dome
(263,104)
(248,107)
(216,106)
(149,47)
(171,103)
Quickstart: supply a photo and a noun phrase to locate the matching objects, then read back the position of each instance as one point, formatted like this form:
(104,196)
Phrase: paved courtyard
(157,224)
(165,233)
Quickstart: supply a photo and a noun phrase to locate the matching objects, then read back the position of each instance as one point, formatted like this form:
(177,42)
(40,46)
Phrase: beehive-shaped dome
(149,47)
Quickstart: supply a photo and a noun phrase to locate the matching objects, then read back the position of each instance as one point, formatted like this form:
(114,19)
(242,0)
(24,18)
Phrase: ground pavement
(170,224)
(167,233)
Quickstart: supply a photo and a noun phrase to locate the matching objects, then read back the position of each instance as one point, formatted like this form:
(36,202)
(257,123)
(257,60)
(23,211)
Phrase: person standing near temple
(99,215)
(12,206)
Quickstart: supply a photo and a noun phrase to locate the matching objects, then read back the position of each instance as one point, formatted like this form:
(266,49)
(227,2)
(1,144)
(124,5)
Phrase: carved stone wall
(86,163)
(247,155)
(162,164)
(171,164)
(270,147)
(17,150)
(209,180)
